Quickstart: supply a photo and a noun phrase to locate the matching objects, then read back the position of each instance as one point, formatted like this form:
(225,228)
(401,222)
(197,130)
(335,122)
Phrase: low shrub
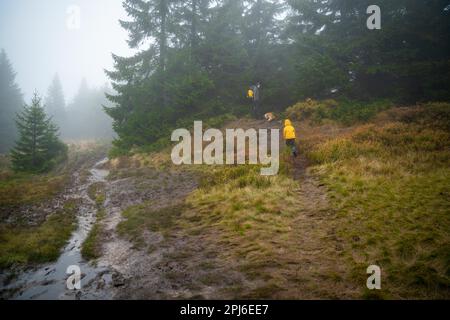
(345,112)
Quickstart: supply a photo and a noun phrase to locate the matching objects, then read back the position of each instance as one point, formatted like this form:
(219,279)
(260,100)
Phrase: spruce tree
(150,20)
(38,148)
(262,29)
(142,111)
(223,54)
(190,20)
(10,103)
(87,117)
(55,103)
(338,51)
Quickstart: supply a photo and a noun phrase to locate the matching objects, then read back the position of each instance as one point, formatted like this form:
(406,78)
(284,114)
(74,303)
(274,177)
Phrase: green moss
(38,244)
(91,248)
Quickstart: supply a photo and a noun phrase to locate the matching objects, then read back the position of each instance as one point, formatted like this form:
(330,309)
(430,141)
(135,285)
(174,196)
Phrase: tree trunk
(163,11)
(194,25)
(33,147)
(259,19)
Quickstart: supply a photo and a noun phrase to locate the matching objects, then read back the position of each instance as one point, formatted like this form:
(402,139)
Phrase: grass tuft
(92,246)
(141,218)
(97,193)
(20,246)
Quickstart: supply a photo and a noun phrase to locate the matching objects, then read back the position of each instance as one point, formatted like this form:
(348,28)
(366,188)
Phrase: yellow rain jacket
(289,130)
(250,94)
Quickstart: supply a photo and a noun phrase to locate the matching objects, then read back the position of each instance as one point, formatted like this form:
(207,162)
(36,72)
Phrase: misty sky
(41,38)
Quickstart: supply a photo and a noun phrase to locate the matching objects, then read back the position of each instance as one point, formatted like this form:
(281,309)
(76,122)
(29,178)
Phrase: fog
(42,37)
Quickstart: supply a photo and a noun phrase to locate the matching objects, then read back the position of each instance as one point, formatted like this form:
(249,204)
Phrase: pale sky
(42,37)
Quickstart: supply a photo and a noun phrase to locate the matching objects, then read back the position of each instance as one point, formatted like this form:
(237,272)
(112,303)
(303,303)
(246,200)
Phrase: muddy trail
(181,265)
(316,245)
(141,273)
(122,271)
(49,282)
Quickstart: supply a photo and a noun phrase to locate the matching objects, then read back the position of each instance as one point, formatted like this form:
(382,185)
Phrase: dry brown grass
(390,184)
(382,198)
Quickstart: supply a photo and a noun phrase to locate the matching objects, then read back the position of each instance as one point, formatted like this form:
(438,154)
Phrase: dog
(270,117)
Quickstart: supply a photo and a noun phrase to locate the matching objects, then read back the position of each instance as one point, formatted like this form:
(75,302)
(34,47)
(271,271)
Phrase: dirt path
(313,269)
(48,282)
(319,268)
(179,265)
(185,266)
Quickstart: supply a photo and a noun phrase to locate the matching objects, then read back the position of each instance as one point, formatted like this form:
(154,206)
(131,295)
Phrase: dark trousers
(291,144)
(255,108)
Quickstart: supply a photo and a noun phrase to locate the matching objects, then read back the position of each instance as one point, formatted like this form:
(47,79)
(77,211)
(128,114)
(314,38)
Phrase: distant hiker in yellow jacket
(254,94)
(290,137)
(250,93)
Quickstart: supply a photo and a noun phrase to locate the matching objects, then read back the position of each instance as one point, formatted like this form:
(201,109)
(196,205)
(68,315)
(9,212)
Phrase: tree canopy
(196,59)
(11,102)
(55,103)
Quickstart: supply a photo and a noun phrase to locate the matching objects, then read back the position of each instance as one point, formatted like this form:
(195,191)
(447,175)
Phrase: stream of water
(49,282)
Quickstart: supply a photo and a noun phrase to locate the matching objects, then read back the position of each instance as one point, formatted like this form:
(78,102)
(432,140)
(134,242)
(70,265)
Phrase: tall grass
(346,112)
(390,183)
(23,189)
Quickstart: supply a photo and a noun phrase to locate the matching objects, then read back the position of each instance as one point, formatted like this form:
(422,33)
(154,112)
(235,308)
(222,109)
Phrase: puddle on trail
(49,281)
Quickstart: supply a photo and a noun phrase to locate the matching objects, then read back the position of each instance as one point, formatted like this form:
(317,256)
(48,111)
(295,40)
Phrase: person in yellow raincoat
(290,136)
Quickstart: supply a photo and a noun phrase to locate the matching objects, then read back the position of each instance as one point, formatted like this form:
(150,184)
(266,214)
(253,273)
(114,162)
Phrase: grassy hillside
(366,190)
(382,198)
(390,184)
